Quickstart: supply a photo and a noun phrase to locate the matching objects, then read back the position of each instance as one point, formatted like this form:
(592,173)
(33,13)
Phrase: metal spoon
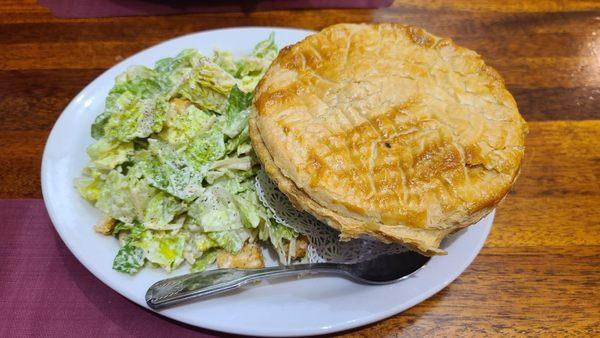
(381,270)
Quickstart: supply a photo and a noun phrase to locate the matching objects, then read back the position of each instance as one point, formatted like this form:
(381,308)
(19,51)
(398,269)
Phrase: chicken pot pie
(389,131)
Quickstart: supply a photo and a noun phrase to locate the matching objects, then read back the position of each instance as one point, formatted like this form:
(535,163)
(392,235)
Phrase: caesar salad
(173,170)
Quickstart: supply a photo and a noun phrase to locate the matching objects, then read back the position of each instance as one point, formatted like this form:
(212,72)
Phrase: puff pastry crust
(389,131)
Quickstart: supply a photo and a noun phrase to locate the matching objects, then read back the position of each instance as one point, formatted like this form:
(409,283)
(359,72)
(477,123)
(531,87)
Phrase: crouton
(249,257)
(106,225)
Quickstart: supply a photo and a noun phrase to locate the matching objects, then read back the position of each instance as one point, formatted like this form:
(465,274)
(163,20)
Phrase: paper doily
(325,245)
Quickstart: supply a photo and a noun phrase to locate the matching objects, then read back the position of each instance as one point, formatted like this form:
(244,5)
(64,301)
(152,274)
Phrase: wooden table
(539,272)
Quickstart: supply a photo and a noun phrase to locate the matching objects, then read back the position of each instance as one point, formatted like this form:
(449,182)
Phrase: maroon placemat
(109,8)
(46,292)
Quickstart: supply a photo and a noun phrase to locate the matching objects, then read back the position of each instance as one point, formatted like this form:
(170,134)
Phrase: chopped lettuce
(184,122)
(130,259)
(121,227)
(204,261)
(124,197)
(133,108)
(252,67)
(233,163)
(136,117)
(209,75)
(173,164)
(106,154)
(281,237)
(215,210)
(203,242)
(266,49)
(169,170)
(231,240)
(137,81)
(239,144)
(163,249)
(89,187)
(251,70)
(131,231)
(225,60)
(205,98)
(236,113)
(207,147)
(97,129)
(171,70)
(252,211)
(161,210)
(206,84)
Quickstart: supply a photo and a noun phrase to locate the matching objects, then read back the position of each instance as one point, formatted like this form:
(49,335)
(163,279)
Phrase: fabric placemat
(110,8)
(46,292)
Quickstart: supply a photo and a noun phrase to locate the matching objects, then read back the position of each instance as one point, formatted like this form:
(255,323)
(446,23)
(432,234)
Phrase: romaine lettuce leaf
(121,227)
(250,70)
(235,184)
(267,48)
(252,66)
(236,113)
(243,163)
(207,147)
(215,210)
(161,210)
(89,188)
(281,237)
(97,129)
(231,240)
(202,242)
(124,197)
(167,66)
(225,60)
(252,211)
(204,261)
(206,98)
(138,81)
(163,249)
(171,171)
(208,74)
(197,244)
(184,122)
(244,149)
(140,192)
(136,117)
(129,259)
(133,230)
(241,140)
(107,153)
(207,85)
(114,198)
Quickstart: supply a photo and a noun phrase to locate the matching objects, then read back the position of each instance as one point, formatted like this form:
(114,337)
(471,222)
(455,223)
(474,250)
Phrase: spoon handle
(197,285)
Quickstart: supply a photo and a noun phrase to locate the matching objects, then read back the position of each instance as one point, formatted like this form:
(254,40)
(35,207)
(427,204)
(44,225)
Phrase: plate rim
(341,326)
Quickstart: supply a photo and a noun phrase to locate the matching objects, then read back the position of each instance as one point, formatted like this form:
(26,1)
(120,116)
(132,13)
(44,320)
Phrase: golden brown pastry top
(391,129)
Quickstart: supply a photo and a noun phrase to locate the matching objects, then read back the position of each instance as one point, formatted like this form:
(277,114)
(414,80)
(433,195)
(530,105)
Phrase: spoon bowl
(387,268)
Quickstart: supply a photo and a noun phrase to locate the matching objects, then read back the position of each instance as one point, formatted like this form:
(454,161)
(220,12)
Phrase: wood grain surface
(539,272)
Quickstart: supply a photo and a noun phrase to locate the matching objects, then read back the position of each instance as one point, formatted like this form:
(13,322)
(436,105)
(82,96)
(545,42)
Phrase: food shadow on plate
(450,239)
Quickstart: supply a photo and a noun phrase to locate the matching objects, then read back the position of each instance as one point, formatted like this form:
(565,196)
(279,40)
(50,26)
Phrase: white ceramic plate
(307,306)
